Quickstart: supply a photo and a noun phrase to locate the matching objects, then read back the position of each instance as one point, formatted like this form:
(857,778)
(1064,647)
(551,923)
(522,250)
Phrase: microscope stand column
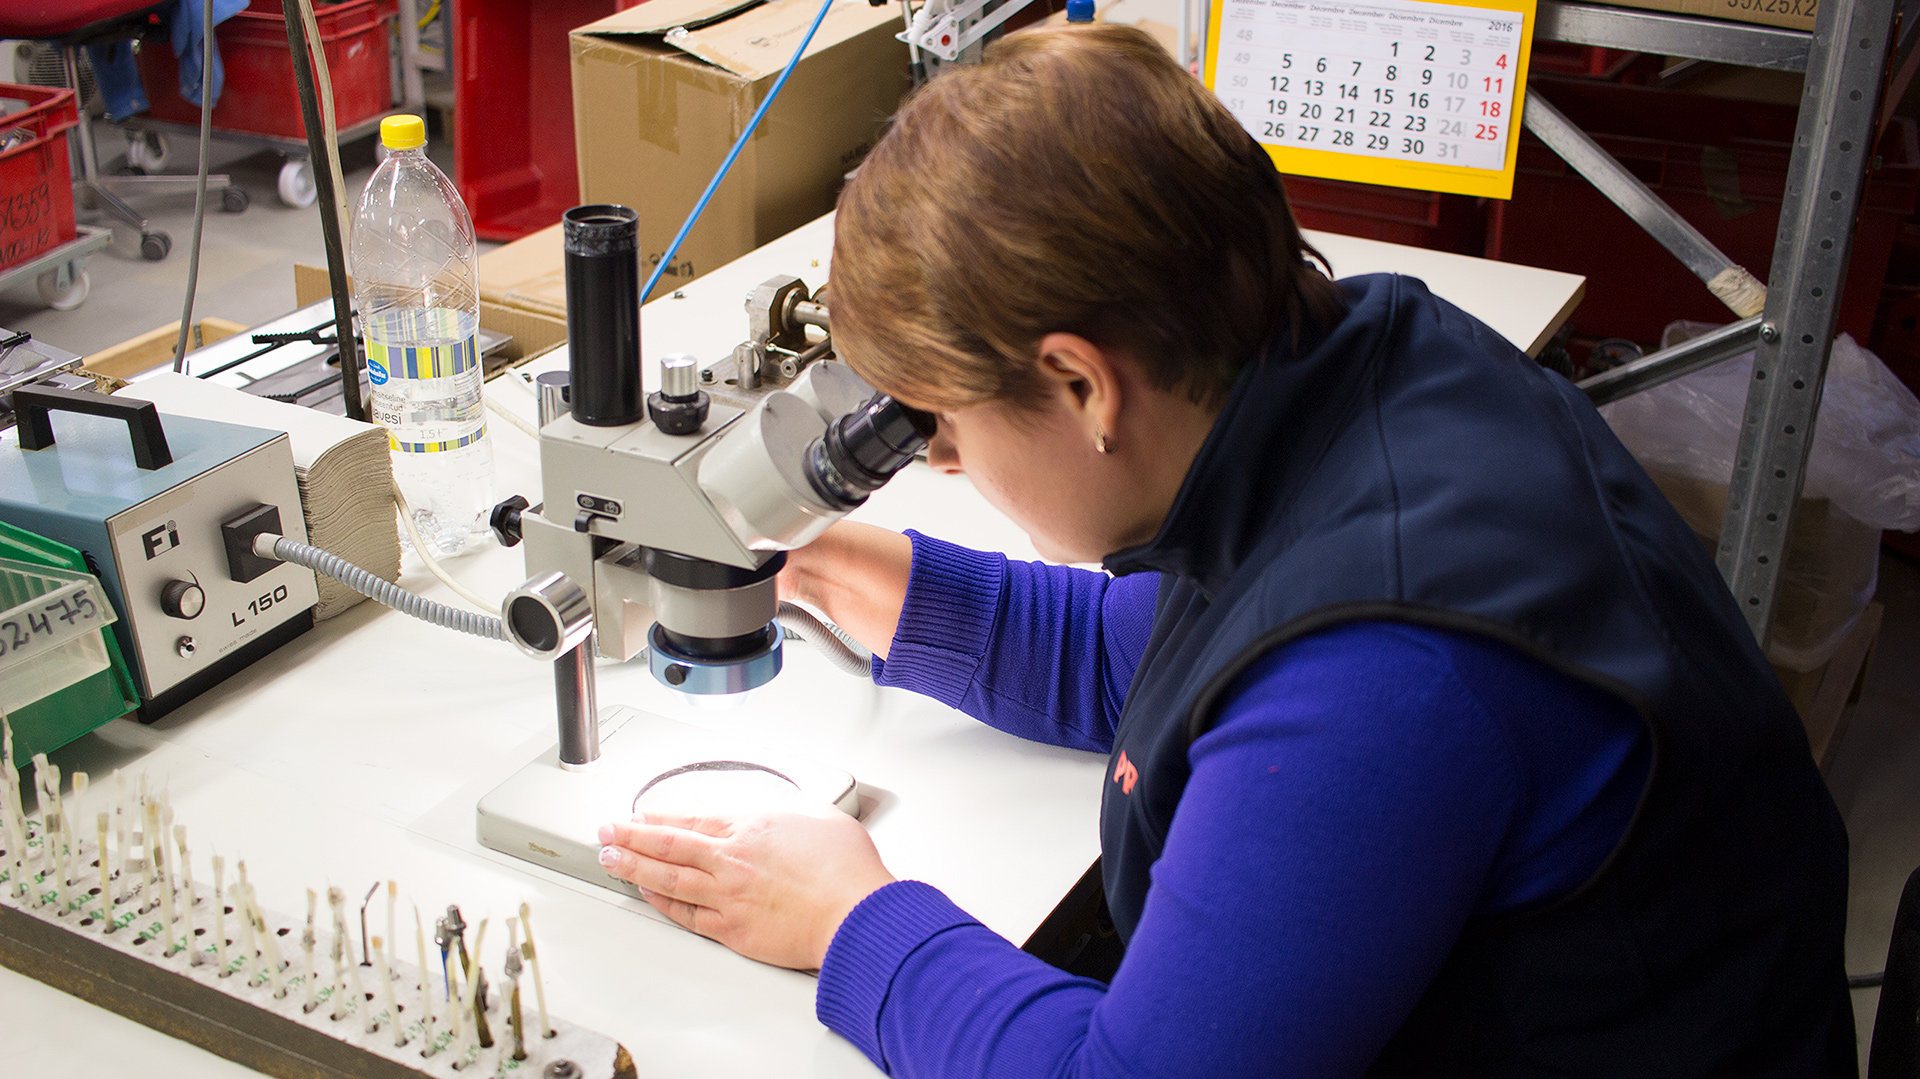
(579,712)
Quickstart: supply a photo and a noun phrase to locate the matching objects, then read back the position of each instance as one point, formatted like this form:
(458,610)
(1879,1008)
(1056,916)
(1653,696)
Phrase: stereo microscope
(664,520)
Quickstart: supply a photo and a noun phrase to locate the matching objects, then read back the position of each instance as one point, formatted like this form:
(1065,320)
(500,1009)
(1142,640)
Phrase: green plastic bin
(60,717)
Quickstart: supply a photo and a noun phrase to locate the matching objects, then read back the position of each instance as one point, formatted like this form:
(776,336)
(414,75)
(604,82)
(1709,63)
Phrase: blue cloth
(117,73)
(188,35)
(1366,790)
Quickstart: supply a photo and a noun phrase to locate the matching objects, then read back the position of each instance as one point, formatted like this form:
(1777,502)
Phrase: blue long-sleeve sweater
(1366,791)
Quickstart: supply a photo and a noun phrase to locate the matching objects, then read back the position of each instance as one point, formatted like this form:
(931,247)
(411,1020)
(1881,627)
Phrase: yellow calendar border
(1389,172)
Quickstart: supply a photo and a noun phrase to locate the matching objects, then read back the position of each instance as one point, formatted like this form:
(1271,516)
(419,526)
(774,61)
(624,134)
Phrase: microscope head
(675,513)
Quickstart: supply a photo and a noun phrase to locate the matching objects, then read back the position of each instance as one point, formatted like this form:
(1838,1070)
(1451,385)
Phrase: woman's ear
(1086,377)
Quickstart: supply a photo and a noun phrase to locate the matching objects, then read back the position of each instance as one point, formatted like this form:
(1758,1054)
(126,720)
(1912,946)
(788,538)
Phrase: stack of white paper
(345,473)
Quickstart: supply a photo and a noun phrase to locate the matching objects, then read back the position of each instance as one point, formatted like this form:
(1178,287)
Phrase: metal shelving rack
(1844,60)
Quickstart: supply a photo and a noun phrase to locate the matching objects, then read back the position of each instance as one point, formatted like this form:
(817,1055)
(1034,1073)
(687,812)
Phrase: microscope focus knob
(505,520)
(679,407)
(183,599)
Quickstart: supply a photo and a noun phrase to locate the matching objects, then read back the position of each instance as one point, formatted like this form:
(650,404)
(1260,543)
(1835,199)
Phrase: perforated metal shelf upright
(1845,60)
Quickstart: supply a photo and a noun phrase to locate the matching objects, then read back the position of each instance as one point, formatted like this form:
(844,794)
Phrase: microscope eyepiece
(864,448)
(601,253)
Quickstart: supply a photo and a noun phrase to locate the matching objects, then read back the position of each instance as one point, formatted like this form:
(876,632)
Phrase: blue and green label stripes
(436,361)
(438,447)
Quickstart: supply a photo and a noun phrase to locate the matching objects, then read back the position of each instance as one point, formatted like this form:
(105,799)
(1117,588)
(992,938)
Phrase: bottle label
(390,368)
(440,361)
(436,447)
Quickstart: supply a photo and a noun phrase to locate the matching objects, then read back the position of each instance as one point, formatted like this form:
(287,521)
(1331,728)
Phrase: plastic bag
(1862,476)
(1866,442)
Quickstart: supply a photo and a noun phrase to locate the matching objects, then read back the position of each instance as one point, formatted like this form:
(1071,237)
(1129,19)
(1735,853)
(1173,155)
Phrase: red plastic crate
(258,97)
(1722,165)
(513,158)
(36,180)
(1590,61)
(1397,215)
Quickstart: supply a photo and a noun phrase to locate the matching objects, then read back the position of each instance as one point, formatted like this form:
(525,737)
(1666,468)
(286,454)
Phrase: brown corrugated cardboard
(528,274)
(1792,14)
(1831,565)
(155,347)
(533,332)
(662,90)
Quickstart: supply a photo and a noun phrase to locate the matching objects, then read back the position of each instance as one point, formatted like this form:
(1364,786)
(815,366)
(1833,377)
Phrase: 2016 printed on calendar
(1409,93)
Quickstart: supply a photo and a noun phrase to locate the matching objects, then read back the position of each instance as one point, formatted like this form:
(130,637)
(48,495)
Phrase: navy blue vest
(1415,466)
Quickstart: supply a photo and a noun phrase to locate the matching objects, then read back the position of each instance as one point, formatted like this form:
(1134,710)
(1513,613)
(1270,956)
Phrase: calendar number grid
(1410,92)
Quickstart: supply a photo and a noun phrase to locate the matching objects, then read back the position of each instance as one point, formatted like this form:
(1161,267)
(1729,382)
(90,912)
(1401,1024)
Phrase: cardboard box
(533,332)
(1792,14)
(155,347)
(662,90)
(1825,696)
(528,274)
(1832,568)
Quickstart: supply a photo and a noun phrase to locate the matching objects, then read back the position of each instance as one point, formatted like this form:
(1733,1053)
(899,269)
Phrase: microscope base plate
(551,816)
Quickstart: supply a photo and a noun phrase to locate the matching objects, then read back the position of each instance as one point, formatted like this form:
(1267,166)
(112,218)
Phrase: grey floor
(1876,780)
(246,276)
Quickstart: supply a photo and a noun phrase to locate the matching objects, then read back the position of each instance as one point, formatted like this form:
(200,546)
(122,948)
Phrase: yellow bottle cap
(403,132)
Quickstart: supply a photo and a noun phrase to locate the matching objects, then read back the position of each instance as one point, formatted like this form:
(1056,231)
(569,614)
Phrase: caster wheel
(64,295)
(296,184)
(155,245)
(147,151)
(233,200)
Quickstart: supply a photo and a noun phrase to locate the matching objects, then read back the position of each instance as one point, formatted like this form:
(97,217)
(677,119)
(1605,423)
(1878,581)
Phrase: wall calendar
(1408,93)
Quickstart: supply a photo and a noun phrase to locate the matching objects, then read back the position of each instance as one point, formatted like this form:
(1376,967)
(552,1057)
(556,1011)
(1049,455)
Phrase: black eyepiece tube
(603,314)
(864,448)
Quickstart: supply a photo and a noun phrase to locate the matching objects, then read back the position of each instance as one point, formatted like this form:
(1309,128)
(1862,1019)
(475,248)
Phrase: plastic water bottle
(416,284)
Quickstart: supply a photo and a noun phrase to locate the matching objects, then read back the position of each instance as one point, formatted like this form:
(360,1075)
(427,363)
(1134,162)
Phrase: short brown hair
(1076,181)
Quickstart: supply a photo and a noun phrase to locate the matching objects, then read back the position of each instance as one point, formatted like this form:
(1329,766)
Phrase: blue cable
(714,185)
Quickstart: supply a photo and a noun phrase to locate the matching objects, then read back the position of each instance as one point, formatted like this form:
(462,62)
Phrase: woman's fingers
(685,915)
(661,878)
(666,843)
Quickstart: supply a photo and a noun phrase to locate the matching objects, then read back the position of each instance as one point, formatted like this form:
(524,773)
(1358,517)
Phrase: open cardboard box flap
(747,38)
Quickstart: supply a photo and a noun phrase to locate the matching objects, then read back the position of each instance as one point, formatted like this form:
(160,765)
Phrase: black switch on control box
(237,533)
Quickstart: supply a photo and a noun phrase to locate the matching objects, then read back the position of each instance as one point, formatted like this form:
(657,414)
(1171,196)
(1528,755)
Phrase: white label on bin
(43,624)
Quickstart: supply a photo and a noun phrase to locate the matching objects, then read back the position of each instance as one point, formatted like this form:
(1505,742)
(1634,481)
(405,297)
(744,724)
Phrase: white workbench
(356,754)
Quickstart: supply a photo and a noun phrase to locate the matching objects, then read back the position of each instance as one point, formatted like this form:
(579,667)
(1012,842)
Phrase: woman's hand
(856,574)
(773,885)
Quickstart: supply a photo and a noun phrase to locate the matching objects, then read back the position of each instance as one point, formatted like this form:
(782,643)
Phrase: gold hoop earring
(1100,441)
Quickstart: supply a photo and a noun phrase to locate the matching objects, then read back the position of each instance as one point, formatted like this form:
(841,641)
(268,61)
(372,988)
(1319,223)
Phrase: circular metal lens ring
(548,616)
(707,677)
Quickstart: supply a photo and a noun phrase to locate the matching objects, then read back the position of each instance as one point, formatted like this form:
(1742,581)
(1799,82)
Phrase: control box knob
(183,599)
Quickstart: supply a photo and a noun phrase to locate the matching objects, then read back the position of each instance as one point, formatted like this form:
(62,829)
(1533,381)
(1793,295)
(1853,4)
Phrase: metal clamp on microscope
(663,521)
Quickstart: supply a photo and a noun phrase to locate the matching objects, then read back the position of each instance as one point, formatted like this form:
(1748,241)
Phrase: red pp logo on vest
(1125,774)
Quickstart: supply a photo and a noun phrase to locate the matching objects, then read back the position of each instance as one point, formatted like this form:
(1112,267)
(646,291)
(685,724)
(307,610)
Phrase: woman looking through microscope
(1437,745)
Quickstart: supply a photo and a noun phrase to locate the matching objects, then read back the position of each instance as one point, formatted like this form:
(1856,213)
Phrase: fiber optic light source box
(164,513)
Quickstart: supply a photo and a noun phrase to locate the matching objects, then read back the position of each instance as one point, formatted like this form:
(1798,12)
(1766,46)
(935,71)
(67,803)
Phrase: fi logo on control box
(160,540)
